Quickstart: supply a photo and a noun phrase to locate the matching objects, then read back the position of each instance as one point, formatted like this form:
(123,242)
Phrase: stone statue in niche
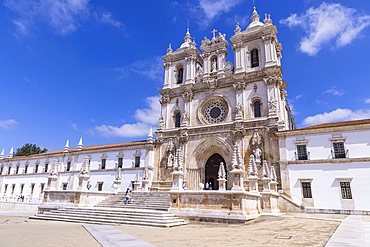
(214,65)
(257,154)
(170,160)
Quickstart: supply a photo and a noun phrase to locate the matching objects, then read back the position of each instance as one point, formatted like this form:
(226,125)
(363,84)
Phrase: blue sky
(92,69)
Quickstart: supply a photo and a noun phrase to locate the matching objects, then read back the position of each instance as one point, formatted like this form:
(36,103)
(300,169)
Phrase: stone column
(221,178)
(178,172)
(117,181)
(238,170)
(53,176)
(84,176)
(145,181)
(136,181)
(253,179)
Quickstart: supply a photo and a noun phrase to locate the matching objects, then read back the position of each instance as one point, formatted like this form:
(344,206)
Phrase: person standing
(207,186)
(210,186)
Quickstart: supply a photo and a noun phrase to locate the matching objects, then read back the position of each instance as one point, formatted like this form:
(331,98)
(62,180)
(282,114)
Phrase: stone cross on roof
(214,33)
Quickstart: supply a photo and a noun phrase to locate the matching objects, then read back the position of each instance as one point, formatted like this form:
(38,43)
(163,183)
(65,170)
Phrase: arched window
(180,75)
(254,58)
(257,108)
(177,120)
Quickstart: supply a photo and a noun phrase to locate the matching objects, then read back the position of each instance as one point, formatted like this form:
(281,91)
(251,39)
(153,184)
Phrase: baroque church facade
(214,111)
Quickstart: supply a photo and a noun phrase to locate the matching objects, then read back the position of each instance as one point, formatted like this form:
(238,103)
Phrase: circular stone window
(213,110)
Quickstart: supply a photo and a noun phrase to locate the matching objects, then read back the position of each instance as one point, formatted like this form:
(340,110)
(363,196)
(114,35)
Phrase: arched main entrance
(211,170)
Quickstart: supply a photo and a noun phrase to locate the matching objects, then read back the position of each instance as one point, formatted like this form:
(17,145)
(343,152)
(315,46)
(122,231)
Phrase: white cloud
(298,96)
(334,91)
(242,20)
(106,17)
(150,68)
(146,117)
(62,15)
(208,10)
(26,79)
(326,23)
(367,101)
(337,116)
(74,126)
(8,124)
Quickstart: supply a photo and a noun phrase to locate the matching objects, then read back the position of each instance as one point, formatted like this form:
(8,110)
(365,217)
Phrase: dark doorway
(211,171)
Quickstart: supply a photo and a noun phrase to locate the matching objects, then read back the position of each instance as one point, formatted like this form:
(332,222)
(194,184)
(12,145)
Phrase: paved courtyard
(284,230)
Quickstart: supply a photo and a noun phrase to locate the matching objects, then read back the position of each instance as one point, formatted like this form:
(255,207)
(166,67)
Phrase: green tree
(29,149)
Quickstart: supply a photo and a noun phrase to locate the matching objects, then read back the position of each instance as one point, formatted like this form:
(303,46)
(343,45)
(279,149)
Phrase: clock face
(214,110)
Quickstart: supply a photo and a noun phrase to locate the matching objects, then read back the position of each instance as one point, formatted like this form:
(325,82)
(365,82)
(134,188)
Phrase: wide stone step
(106,222)
(115,216)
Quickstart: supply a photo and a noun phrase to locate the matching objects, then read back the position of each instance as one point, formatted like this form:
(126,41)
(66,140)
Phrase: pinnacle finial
(150,135)
(11,153)
(66,146)
(80,144)
(2,154)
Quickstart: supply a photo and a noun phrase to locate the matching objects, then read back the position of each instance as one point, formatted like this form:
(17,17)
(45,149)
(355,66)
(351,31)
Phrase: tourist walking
(128,196)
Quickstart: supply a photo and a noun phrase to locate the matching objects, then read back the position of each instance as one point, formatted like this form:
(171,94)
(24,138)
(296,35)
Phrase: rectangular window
(13,188)
(306,186)
(5,189)
(42,187)
(65,186)
(25,169)
(9,169)
(120,162)
(22,186)
(36,168)
(17,170)
(100,186)
(137,161)
(32,188)
(103,163)
(346,190)
(302,152)
(339,150)
(69,166)
(46,167)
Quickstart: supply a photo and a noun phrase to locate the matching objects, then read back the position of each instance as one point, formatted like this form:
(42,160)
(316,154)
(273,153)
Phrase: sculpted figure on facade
(214,66)
(272,106)
(54,169)
(257,154)
(160,123)
(85,168)
(239,111)
(206,41)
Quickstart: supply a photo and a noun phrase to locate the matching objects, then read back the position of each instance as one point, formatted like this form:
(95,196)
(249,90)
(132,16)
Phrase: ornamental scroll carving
(272,107)
(188,96)
(273,80)
(164,100)
(239,86)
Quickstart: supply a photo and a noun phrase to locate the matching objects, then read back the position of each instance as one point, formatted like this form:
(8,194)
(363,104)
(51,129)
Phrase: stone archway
(200,153)
(211,170)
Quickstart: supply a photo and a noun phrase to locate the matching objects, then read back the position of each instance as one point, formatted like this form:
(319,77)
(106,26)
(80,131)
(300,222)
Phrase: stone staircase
(152,200)
(146,209)
(113,216)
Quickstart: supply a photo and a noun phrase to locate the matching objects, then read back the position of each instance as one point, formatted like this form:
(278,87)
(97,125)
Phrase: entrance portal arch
(211,170)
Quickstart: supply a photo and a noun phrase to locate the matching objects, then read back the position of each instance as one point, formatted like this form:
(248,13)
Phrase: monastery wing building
(226,146)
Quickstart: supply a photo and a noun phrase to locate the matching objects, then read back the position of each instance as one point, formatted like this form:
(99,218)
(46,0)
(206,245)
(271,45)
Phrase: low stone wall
(286,204)
(71,198)
(18,206)
(216,205)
